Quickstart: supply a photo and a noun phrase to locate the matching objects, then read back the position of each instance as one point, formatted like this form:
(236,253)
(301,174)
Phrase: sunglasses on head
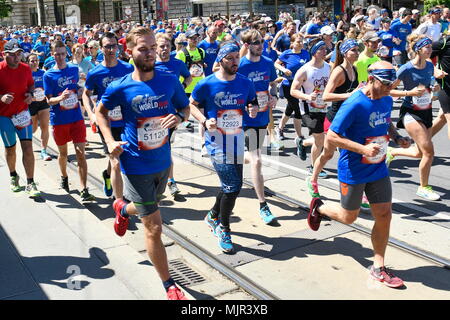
(256,43)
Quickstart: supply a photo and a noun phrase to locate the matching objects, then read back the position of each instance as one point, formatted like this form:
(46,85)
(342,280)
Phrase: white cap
(401,10)
(415,11)
(326,30)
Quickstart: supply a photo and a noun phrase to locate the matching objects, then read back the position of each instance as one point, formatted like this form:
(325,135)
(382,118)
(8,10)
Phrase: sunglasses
(256,43)
(110,46)
(384,82)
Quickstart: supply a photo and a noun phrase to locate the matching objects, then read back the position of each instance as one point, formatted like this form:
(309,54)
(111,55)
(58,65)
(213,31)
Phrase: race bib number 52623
(151,135)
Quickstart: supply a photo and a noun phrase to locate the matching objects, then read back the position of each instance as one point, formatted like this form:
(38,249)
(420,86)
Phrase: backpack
(189,62)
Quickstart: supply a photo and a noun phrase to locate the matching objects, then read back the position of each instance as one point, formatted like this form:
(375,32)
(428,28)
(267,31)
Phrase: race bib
(383,51)
(196,70)
(22,119)
(70,103)
(263,100)
(115,114)
(38,94)
(314,105)
(383,141)
(229,121)
(423,102)
(150,133)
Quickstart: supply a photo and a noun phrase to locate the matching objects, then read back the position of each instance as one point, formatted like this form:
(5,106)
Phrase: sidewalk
(58,250)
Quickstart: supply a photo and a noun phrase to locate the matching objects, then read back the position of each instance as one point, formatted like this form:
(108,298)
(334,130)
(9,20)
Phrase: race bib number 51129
(151,135)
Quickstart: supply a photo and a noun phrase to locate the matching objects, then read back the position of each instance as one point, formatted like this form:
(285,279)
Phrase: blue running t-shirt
(226,101)
(293,61)
(143,106)
(261,73)
(55,82)
(211,50)
(100,77)
(363,120)
(175,66)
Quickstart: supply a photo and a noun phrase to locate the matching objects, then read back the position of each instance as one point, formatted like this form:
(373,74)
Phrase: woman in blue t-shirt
(416,111)
(288,63)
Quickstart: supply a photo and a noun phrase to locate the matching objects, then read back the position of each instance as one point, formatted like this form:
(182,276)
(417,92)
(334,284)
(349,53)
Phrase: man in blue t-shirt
(42,49)
(401,29)
(166,63)
(361,129)
(149,100)
(97,80)
(61,90)
(261,71)
(211,46)
(226,96)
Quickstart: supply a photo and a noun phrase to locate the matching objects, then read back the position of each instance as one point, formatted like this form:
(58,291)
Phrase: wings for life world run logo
(106,81)
(379,118)
(65,81)
(225,100)
(256,76)
(147,102)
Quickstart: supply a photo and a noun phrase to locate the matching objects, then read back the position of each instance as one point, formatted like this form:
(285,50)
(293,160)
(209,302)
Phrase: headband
(421,43)
(347,45)
(226,50)
(433,11)
(316,47)
(384,74)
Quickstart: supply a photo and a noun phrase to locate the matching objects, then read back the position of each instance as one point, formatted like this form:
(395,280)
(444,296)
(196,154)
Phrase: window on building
(62,14)
(197,10)
(117,9)
(272,2)
(34,20)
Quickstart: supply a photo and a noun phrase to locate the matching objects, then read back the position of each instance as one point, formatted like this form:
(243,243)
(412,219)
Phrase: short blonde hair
(161,35)
(137,32)
(94,43)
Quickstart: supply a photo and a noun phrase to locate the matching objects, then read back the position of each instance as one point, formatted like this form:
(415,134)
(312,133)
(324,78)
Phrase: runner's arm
(337,78)
(88,103)
(370,150)
(299,78)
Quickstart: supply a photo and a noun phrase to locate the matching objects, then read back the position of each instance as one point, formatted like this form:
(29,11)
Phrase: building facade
(52,12)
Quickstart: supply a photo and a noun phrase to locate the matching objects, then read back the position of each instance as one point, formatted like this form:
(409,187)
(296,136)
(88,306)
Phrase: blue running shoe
(107,187)
(224,238)
(212,223)
(266,215)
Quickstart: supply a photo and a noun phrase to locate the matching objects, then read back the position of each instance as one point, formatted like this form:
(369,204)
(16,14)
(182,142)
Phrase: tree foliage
(428,4)
(5,9)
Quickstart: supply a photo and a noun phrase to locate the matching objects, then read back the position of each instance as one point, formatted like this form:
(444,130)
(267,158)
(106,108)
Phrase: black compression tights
(224,206)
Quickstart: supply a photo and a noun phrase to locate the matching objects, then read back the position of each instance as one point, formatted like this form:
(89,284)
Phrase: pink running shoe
(174,293)
(385,276)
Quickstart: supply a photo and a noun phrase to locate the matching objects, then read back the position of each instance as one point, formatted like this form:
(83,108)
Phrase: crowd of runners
(136,83)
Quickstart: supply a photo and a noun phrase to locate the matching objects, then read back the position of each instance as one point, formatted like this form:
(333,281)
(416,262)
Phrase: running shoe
(313,188)
(322,173)
(14,185)
(86,196)
(187,124)
(107,187)
(174,293)
(32,190)
(120,223)
(365,202)
(279,133)
(266,215)
(204,151)
(301,150)
(314,217)
(389,156)
(45,156)
(224,238)
(427,193)
(385,276)
(64,184)
(173,188)
(276,146)
(212,223)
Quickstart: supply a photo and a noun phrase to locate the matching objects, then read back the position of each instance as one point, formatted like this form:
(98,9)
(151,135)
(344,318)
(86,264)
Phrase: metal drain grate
(184,275)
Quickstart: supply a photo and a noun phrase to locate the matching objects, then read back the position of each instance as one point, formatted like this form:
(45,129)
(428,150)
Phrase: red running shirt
(17,81)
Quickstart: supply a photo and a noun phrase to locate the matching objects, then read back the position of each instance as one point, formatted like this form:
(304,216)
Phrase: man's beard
(255,53)
(229,70)
(141,66)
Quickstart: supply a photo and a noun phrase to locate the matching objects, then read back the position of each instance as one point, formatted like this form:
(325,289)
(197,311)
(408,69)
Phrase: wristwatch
(181,115)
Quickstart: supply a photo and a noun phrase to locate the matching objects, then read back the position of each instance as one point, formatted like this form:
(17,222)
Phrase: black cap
(12,46)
